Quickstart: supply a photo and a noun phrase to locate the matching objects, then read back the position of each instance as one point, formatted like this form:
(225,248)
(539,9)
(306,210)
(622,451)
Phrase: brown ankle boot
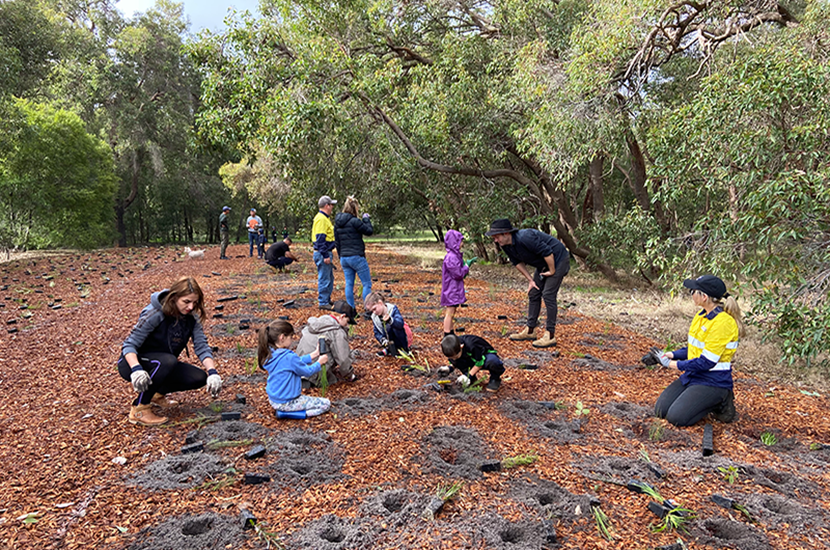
(143,414)
(163,401)
(525,334)
(546,341)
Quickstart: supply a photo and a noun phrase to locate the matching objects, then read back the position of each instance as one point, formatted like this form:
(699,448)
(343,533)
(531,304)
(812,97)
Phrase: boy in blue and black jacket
(471,354)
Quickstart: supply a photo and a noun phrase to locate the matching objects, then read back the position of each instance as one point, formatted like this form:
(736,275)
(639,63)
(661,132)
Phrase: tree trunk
(596,191)
(122,205)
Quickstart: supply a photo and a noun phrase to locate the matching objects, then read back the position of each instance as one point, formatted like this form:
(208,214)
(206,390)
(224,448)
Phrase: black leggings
(167,373)
(686,405)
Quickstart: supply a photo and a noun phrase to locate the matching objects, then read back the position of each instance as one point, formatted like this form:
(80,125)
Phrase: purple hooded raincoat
(453,271)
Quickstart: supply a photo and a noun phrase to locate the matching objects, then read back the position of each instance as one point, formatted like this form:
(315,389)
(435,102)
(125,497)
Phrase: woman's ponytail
(730,306)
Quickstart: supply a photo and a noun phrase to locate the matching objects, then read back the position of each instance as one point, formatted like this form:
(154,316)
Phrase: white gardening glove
(464,380)
(141,380)
(214,384)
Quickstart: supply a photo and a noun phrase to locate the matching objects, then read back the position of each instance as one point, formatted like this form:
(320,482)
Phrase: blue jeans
(252,239)
(325,279)
(356,265)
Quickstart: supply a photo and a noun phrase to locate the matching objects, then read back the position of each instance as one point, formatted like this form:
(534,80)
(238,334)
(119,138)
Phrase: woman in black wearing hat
(705,384)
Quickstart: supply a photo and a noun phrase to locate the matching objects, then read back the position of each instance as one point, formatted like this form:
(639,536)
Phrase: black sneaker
(726,413)
(382,353)
(493,385)
(327,306)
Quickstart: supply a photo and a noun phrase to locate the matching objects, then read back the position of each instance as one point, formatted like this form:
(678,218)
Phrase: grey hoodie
(340,358)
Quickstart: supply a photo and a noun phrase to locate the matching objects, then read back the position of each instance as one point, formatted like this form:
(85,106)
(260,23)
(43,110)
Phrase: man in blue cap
(224,232)
(531,247)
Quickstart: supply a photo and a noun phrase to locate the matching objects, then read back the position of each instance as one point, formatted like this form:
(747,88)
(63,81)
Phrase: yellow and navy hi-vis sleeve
(712,343)
(322,234)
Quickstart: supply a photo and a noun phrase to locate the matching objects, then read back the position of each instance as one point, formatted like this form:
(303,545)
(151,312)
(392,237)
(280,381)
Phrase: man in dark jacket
(279,254)
(530,247)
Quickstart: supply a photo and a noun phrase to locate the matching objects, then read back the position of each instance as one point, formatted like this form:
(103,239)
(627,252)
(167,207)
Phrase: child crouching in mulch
(471,354)
(285,370)
(389,327)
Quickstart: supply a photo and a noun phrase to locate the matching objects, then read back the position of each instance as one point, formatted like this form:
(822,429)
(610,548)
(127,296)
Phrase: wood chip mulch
(68,451)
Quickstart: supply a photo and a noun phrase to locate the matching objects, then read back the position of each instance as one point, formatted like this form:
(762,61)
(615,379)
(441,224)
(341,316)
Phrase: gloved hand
(141,380)
(464,380)
(214,384)
(365,215)
(384,342)
(661,356)
(471,261)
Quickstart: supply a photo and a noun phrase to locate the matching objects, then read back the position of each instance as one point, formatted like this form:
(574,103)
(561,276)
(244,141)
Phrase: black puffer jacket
(348,234)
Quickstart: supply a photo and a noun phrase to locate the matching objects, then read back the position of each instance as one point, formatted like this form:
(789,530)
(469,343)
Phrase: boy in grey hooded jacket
(332,327)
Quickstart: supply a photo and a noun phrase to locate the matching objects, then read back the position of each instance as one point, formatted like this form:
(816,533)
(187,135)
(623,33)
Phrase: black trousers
(686,405)
(548,291)
(167,373)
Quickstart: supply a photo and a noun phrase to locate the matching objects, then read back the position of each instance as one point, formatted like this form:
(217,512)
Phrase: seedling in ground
(644,455)
(603,524)
(268,537)
(449,491)
(240,349)
(324,380)
(730,473)
(655,431)
(768,439)
(742,509)
(475,386)
(217,406)
(412,362)
(581,410)
(226,479)
(250,366)
(519,460)
(676,519)
(217,444)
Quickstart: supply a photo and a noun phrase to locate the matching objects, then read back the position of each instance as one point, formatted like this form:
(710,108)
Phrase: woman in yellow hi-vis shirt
(705,385)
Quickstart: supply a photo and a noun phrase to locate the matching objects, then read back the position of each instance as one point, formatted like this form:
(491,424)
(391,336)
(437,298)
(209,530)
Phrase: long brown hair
(268,336)
(351,206)
(183,287)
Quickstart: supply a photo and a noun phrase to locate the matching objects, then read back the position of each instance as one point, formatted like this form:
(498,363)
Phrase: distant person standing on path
(224,232)
(150,354)
(349,230)
(705,385)
(254,223)
(322,235)
(531,247)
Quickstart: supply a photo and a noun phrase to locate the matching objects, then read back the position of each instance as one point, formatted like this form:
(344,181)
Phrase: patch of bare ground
(639,307)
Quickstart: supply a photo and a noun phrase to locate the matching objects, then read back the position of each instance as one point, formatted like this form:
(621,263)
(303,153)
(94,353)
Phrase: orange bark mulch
(63,412)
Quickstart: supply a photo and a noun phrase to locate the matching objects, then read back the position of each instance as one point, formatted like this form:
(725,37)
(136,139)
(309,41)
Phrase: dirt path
(362,475)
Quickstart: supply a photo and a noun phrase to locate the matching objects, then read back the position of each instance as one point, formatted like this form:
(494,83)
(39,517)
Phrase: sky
(208,14)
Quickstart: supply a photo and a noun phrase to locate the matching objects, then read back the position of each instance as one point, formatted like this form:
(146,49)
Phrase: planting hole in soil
(179,471)
(724,533)
(190,532)
(455,451)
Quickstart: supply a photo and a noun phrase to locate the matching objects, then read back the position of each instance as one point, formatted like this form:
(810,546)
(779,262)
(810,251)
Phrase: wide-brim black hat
(709,285)
(500,226)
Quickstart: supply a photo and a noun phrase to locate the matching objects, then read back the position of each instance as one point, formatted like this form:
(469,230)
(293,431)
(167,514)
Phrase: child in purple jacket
(452,278)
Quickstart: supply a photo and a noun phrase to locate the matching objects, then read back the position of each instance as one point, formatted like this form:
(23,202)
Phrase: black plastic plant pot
(549,404)
(193,448)
(502,317)
(658,509)
(493,466)
(248,519)
(190,438)
(528,366)
(637,486)
(708,447)
(227,298)
(550,532)
(289,303)
(722,501)
(241,399)
(656,470)
(219,308)
(255,479)
(231,415)
(255,453)
(218,315)
(434,507)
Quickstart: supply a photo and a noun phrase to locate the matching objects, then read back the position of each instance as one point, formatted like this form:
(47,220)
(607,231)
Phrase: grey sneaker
(726,413)
(493,385)
(444,371)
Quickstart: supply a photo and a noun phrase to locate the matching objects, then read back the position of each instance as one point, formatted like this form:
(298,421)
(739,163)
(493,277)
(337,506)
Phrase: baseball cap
(342,306)
(709,285)
(225,208)
(253,210)
(325,200)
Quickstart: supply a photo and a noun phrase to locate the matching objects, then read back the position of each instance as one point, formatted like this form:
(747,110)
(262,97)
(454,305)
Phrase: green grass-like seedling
(217,406)
(581,410)
(449,491)
(655,431)
(676,519)
(519,460)
(768,439)
(603,523)
(475,387)
(217,444)
(225,480)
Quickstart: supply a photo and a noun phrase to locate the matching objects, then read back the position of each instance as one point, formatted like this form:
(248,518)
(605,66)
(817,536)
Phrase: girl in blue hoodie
(286,369)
